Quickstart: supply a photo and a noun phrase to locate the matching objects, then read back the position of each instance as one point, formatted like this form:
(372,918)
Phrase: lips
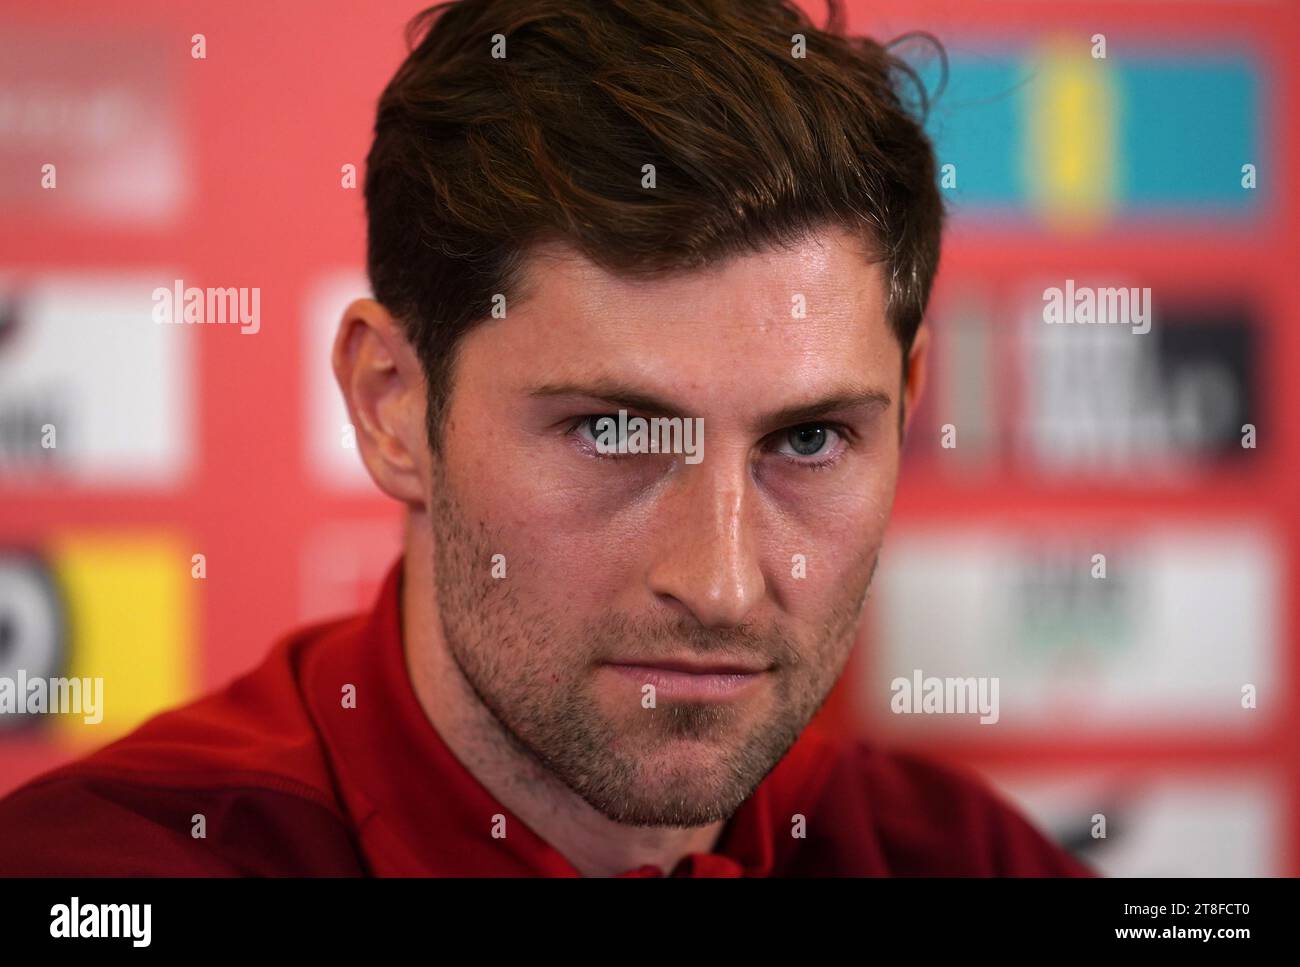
(696,666)
(694,679)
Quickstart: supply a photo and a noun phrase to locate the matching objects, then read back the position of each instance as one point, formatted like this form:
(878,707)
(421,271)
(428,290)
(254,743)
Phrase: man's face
(730,586)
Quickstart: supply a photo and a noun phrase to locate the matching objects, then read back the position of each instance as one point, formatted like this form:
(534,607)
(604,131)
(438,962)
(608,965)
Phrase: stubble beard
(540,699)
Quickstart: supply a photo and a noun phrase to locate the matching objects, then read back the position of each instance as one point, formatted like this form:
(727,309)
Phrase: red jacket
(290,782)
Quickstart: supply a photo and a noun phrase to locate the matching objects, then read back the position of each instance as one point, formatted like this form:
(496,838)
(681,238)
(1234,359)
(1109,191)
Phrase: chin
(675,807)
(676,787)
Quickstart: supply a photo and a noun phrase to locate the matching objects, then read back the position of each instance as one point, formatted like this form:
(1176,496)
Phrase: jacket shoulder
(894,812)
(235,782)
(83,823)
(937,819)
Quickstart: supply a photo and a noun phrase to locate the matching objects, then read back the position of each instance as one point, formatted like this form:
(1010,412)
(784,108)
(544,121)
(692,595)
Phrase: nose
(707,562)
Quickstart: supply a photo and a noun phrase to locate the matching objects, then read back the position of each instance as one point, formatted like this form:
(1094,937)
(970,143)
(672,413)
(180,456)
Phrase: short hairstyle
(754,142)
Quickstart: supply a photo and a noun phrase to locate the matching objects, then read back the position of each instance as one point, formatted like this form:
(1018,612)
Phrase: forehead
(806,313)
(818,279)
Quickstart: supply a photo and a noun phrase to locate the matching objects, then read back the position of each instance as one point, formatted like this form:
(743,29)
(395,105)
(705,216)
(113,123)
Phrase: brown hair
(477,157)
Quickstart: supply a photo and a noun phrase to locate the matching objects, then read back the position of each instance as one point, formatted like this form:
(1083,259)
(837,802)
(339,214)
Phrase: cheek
(560,548)
(838,538)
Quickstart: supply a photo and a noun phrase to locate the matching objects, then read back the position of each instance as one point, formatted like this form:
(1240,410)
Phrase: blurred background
(202,498)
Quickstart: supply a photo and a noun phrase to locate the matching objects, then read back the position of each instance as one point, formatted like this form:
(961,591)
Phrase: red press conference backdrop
(172,498)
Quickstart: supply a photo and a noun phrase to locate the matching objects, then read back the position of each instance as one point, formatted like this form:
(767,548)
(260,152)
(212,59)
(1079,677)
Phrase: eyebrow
(630,398)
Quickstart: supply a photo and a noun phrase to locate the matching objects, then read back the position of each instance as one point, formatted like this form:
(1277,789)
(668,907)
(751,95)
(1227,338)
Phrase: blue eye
(809,439)
(596,425)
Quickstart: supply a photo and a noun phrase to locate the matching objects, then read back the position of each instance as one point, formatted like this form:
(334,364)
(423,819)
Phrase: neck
(593,844)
